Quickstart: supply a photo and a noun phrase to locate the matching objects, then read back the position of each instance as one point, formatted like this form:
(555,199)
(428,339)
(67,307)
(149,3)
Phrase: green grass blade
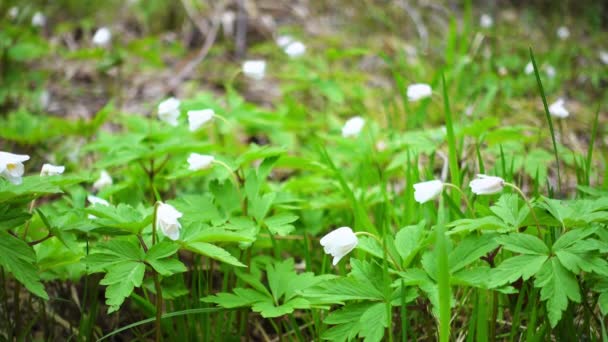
(591,143)
(452,152)
(542,95)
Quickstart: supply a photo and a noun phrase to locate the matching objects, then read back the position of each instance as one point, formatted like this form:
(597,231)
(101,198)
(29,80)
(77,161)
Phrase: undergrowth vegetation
(444,180)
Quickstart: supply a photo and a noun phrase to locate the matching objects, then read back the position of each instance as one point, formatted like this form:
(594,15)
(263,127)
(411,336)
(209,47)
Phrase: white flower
(426,191)
(558,109)
(168,111)
(103,181)
(529,68)
(199,161)
(353,127)
(227,20)
(44,99)
(97,200)
(563,32)
(197,118)
(339,242)
(38,19)
(102,36)
(295,49)
(51,170)
(255,69)
(486,21)
(418,91)
(166,220)
(284,40)
(550,70)
(381,146)
(11,166)
(13,12)
(487,185)
(604,56)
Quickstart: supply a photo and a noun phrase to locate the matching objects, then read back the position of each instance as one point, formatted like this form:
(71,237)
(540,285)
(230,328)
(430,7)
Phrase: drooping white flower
(563,32)
(102,36)
(167,220)
(255,69)
(284,40)
(339,242)
(228,19)
(558,109)
(426,191)
(13,12)
(529,68)
(44,99)
(97,200)
(199,161)
(38,20)
(603,56)
(486,21)
(487,185)
(103,181)
(353,127)
(295,49)
(168,111)
(197,118)
(51,170)
(550,71)
(418,91)
(11,166)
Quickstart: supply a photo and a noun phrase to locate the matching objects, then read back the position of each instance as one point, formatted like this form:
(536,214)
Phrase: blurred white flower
(168,111)
(558,109)
(228,19)
(563,32)
(199,161)
(97,200)
(255,69)
(103,181)
(197,118)
(44,99)
(529,68)
(426,191)
(13,12)
(284,40)
(418,91)
(486,21)
(604,56)
(167,220)
(38,20)
(51,170)
(550,71)
(381,146)
(11,166)
(502,71)
(295,49)
(339,242)
(353,127)
(487,185)
(102,36)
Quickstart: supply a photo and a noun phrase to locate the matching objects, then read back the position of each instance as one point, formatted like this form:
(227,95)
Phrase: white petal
(197,118)
(418,91)
(563,32)
(426,191)
(486,185)
(97,200)
(168,111)
(283,41)
(558,109)
(353,127)
(51,170)
(38,19)
(529,68)
(339,243)
(486,21)
(102,36)
(199,161)
(295,49)
(255,69)
(167,220)
(104,180)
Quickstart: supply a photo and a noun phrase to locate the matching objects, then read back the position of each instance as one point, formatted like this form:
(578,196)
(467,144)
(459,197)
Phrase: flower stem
(464,196)
(223,119)
(383,246)
(157,287)
(521,193)
(234,177)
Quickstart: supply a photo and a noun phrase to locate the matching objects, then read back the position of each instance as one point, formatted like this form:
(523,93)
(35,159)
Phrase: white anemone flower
(418,91)
(103,181)
(487,185)
(295,49)
(563,32)
(11,166)
(13,12)
(486,21)
(550,71)
(603,56)
(228,19)
(197,118)
(255,69)
(353,127)
(167,220)
(426,191)
(558,109)
(168,111)
(102,36)
(51,170)
(199,161)
(284,40)
(38,20)
(97,200)
(529,68)
(339,242)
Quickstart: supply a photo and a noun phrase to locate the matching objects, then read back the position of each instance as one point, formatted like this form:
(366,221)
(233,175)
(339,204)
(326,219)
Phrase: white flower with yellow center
(11,166)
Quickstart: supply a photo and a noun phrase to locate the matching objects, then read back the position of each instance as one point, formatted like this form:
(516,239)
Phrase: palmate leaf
(347,321)
(213,252)
(557,286)
(19,259)
(521,266)
(471,249)
(487,223)
(523,243)
(121,279)
(280,224)
(122,217)
(158,256)
(507,209)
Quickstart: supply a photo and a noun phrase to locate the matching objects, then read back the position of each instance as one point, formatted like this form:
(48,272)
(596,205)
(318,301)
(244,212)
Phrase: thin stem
(234,177)
(223,119)
(383,246)
(464,196)
(27,224)
(157,287)
(521,193)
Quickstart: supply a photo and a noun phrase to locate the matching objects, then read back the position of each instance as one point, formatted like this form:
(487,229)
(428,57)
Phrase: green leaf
(121,279)
(279,274)
(507,208)
(20,260)
(587,262)
(161,250)
(122,217)
(557,286)
(241,297)
(408,241)
(157,257)
(213,252)
(573,236)
(521,266)
(603,303)
(523,243)
(471,249)
(281,223)
(373,322)
(486,223)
